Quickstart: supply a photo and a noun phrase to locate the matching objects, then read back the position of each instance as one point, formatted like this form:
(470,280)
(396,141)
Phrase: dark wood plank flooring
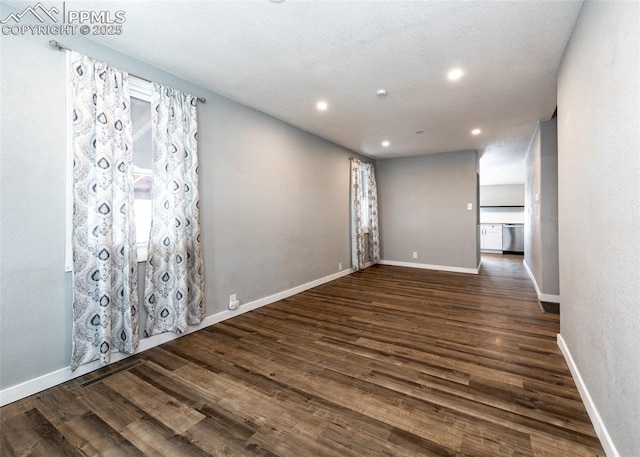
(388,361)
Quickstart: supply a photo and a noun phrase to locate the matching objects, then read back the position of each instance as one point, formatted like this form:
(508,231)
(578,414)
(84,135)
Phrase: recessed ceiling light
(455,74)
(385,144)
(322,106)
(381,92)
(476,132)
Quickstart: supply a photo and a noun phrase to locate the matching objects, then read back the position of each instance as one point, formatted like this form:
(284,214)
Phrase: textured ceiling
(281,58)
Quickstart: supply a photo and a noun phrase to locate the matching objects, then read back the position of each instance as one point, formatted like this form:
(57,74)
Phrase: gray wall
(423,207)
(502,195)
(274,199)
(599,211)
(541,212)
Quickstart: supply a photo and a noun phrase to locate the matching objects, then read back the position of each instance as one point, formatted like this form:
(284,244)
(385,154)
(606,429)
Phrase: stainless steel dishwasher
(513,238)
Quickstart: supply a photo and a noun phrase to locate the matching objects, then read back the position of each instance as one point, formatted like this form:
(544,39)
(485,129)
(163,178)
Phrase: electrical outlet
(415,255)
(340,266)
(470,206)
(234,303)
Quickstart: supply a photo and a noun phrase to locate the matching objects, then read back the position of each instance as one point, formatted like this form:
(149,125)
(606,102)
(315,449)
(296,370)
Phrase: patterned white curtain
(357,232)
(174,285)
(372,196)
(360,171)
(105,300)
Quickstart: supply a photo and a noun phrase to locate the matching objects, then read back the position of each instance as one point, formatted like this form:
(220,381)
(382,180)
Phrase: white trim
(35,385)
(139,88)
(142,251)
(592,411)
(425,266)
(541,297)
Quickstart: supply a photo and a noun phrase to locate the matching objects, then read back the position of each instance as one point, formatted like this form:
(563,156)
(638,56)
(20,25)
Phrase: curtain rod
(60,47)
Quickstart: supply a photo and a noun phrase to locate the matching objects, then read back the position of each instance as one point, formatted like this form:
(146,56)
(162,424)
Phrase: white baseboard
(541,297)
(592,411)
(491,251)
(33,386)
(425,266)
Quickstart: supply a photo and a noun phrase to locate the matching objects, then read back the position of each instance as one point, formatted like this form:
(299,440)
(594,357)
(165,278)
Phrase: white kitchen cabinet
(491,237)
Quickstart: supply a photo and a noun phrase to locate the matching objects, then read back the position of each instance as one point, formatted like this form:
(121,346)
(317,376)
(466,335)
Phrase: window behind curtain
(140,92)
(142,176)
(364,208)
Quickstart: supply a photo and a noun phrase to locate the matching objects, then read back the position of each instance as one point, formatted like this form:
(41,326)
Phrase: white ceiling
(281,58)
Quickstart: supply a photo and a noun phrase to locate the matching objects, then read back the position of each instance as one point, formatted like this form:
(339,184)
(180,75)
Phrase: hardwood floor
(389,361)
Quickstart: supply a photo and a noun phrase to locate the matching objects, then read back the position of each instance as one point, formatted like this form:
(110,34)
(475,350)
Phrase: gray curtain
(105,300)
(174,283)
